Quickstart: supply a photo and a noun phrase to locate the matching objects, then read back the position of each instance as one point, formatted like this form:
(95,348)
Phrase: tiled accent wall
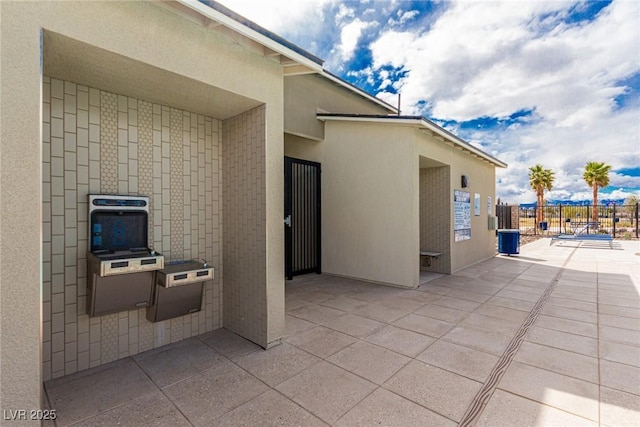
(100,142)
(244,230)
(435,219)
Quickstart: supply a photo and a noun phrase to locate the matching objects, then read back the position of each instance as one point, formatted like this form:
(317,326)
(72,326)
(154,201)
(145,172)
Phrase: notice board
(461,215)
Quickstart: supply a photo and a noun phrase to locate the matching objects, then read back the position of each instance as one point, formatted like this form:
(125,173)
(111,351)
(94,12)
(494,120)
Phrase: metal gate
(302,217)
(505,216)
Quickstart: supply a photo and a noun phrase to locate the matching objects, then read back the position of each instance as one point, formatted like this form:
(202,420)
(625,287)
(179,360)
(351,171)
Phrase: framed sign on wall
(461,215)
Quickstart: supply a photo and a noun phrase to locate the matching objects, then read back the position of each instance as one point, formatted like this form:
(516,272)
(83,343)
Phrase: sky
(555,83)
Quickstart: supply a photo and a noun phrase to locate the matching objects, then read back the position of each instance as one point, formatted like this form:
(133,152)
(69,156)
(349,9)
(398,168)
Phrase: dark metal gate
(505,216)
(302,217)
(620,221)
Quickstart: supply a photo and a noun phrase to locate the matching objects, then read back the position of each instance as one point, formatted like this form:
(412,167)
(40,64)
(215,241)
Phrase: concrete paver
(461,360)
(507,409)
(549,337)
(439,390)
(385,408)
(214,392)
(326,390)
(268,409)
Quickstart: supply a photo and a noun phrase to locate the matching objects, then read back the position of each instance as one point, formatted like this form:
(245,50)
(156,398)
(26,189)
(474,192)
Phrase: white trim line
(369,119)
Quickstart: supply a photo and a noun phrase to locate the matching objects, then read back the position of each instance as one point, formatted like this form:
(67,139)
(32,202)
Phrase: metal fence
(621,221)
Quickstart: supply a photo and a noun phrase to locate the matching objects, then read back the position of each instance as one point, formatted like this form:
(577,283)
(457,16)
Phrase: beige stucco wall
(481,246)
(303,148)
(482,180)
(373,189)
(369,201)
(141,32)
(305,95)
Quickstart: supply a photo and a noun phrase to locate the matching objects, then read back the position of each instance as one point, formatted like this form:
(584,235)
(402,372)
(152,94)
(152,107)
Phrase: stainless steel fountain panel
(179,273)
(118,230)
(121,267)
(179,289)
(112,294)
(126,262)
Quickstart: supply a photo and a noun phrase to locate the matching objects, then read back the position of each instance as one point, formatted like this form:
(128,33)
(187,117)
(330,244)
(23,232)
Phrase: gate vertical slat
(288,268)
(307,183)
(299,223)
(296,209)
(637,208)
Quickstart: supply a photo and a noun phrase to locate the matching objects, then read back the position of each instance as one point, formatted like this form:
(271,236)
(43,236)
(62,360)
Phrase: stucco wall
(387,192)
(482,180)
(305,95)
(96,142)
(481,246)
(369,203)
(139,31)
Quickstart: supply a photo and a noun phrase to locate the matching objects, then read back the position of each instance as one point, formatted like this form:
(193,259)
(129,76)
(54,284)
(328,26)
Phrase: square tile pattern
(341,363)
(93,142)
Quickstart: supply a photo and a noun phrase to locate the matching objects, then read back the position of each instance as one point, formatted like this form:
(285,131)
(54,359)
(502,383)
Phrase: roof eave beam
(297,70)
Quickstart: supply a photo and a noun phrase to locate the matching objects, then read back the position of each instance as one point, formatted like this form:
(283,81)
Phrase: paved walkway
(549,337)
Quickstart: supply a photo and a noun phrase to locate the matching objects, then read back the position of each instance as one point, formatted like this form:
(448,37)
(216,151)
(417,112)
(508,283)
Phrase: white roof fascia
(419,123)
(461,143)
(238,27)
(369,119)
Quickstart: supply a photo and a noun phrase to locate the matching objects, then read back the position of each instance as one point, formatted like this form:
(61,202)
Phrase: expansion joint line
(481,399)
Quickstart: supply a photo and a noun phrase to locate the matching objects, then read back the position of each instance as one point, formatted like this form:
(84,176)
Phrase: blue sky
(555,83)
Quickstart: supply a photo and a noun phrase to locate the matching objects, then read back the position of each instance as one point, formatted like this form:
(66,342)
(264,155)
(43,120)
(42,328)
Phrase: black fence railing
(620,221)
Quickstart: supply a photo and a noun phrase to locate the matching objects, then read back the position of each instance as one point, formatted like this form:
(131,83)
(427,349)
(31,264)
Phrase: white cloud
(343,12)
(565,151)
(403,17)
(282,16)
(617,180)
(618,193)
(366,73)
(489,59)
(349,36)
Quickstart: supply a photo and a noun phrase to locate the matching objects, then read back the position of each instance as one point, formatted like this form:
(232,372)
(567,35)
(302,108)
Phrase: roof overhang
(422,124)
(217,17)
(294,60)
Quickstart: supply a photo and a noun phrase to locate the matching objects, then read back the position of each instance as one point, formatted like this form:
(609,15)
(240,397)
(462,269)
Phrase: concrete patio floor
(549,337)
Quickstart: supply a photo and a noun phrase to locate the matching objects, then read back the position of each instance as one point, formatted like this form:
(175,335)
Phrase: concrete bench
(427,256)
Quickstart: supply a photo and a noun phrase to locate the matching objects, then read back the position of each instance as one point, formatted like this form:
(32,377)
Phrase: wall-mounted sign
(476,205)
(461,215)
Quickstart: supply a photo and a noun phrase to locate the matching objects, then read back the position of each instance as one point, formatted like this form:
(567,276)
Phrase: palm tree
(597,175)
(540,179)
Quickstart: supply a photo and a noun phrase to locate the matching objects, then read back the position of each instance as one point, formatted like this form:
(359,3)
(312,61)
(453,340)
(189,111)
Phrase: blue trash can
(509,242)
